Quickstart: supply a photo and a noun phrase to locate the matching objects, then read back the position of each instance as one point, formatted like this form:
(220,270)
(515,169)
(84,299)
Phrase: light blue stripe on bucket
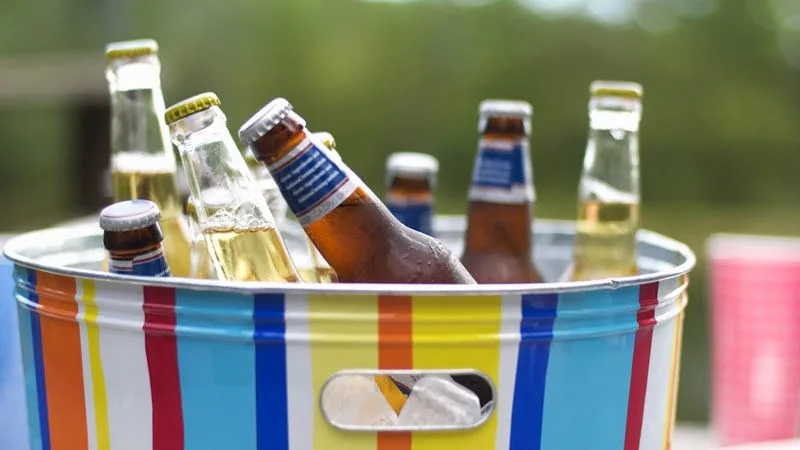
(581,408)
(28,367)
(13,410)
(216,360)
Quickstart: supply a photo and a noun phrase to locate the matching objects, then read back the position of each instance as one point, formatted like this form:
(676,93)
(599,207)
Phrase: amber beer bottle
(608,192)
(133,237)
(142,160)
(498,247)
(240,233)
(411,179)
(346,221)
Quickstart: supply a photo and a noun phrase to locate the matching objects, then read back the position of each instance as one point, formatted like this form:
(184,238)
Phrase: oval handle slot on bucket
(407,400)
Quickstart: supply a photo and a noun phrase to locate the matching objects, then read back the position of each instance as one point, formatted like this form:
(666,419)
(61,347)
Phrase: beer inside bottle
(201,264)
(410,179)
(349,225)
(238,227)
(133,237)
(608,193)
(498,246)
(142,161)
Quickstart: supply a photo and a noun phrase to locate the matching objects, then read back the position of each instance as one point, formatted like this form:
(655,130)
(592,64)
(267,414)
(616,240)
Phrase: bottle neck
(501,196)
(410,200)
(611,162)
(226,196)
(137,109)
(502,171)
(311,178)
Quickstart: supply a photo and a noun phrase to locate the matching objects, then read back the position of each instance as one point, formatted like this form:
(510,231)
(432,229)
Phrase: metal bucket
(124,362)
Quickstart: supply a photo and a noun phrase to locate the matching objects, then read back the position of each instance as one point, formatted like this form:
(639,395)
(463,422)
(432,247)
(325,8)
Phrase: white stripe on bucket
(124,358)
(300,396)
(86,365)
(511,316)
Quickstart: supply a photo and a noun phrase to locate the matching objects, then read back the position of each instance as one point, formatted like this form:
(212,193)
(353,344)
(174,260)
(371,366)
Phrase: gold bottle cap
(131,49)
(625,89)
(191,105)
(326,139)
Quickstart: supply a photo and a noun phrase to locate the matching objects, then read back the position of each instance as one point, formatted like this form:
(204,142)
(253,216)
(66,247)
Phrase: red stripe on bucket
(61,355)
(394,352)
(161,346)
(646,317)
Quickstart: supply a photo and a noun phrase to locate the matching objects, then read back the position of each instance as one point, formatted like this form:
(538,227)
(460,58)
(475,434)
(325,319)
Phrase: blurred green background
(720,139)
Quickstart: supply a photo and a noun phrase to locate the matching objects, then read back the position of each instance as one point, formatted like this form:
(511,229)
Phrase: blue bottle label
(150,264)
(417,215)
(312,182)
(502,172)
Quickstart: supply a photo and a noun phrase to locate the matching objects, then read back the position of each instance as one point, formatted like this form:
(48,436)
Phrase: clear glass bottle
(608,192)
(243,241)
(142,160)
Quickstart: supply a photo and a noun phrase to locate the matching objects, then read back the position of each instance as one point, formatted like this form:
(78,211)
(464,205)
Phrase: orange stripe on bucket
(394,352)
(61,348)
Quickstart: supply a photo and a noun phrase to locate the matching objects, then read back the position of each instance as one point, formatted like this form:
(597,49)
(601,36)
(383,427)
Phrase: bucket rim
(13,250)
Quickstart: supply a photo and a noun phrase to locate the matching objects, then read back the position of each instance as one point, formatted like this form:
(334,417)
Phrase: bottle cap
(264,120)
(412,165)
(131,49)
(507,108)
(191,105)
(129,215)
(626,89)
(326,139)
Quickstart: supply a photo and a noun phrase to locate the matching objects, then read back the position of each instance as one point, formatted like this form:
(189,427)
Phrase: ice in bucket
(435,400)
(354,400)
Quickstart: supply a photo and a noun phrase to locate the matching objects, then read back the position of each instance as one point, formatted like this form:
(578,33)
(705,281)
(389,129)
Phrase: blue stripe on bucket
(38,362)
(29,363)
(271,397)
(217,368)
(536,332)
(588,379)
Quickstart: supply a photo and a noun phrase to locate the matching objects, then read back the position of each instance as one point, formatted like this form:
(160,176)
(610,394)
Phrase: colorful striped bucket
(113,362)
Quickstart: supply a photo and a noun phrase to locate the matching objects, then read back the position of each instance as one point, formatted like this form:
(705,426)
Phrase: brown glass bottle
(498,246)
(411,178)
(133,237)
(345,220)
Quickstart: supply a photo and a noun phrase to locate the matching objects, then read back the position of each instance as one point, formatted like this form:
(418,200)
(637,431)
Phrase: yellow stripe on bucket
(344,335)
(466,336)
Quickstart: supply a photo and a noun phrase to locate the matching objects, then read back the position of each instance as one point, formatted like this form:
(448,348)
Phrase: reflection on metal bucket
(196,364)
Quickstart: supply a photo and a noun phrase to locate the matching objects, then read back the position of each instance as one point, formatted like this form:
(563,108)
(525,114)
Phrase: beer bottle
(142,160)
(346,221)
(498,247)
(240,232)
(608,192)
(133,237)
(410,179)
(201,265)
